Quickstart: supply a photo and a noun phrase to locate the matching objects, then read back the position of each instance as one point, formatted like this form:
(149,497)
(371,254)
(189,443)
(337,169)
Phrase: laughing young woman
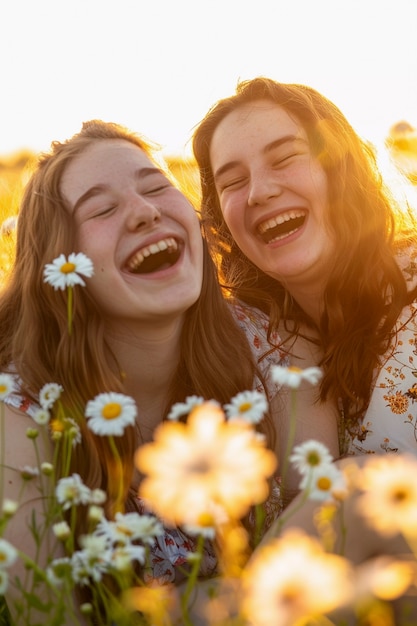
(150,323)
(297,212)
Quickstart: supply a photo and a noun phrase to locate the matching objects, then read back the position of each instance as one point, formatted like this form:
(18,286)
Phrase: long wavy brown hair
(215,359)
(366,290)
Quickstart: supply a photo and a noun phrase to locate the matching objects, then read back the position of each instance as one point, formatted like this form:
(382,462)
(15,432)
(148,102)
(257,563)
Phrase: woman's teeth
(281,225)
(167,246)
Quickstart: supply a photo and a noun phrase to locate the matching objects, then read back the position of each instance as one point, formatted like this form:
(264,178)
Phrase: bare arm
(300,416)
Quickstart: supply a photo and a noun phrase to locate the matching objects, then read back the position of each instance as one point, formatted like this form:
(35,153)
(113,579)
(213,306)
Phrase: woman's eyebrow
(276,143)
(96,190)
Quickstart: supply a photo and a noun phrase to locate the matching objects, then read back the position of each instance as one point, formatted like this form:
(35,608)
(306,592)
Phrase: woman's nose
(262,188)
(142,213)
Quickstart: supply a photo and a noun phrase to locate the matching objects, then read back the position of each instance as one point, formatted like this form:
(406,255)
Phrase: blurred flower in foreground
(182,409)
(208,461)
(157,603)
(292,579)
(63,273)
(389,499)
(293,376)
(385,578)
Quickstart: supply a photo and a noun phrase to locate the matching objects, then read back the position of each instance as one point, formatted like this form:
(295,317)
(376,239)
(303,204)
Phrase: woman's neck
(148,362)
(310,299)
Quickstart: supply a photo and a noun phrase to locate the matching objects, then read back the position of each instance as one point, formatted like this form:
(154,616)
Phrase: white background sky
(158,65)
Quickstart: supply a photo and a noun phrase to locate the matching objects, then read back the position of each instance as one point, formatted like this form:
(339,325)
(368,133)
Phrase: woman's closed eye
(233,183)
(154,190)
(103,211)
(285,160)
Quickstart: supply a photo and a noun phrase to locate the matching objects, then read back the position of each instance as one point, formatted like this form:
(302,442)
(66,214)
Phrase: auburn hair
(366,290)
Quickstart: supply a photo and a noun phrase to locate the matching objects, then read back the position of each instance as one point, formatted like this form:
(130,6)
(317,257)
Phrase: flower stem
(118,477)
(290,440)
(191,582)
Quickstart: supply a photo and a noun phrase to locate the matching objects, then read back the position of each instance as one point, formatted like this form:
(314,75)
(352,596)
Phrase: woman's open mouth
(282,225)
(155,257)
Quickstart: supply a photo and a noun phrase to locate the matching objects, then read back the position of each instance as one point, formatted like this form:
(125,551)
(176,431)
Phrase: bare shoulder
(18,447)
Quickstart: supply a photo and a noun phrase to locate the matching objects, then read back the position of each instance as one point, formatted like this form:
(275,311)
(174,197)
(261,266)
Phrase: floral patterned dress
(170,550)
(390,422)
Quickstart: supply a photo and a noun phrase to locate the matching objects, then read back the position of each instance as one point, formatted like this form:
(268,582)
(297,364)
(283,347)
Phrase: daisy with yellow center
(293,376)
(110,413)
(389,498)
(249,406)
(8,553)
(189,468)
(326,482)
(292,579)
(310,455)
(7,385)
(65,273)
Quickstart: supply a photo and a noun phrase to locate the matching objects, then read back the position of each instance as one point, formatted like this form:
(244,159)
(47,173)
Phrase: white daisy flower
(95,513)
(209,532)
(310,455)
(7,385)
(249,406)
(8,554)
(8,226)
(49,394)
(28,473)
(61,530)
(59,571)
(63,272)
(182,409)
(292,376)
(4,581)
(98,496)
(324,483)
(92,561)
(9,507)
(123,556)
(130,527)
(72,491)
(41,417)
(73,431)
(110,413)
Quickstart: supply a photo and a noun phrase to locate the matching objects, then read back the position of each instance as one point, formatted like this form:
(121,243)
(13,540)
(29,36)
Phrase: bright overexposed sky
(156,66)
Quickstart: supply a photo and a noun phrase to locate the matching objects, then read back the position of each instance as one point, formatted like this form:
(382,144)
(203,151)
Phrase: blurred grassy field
(15,171)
